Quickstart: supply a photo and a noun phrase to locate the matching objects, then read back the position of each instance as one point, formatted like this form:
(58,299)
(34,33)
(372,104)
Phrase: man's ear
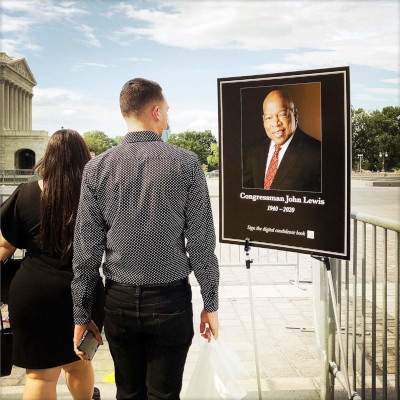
(296,116)
(154,112)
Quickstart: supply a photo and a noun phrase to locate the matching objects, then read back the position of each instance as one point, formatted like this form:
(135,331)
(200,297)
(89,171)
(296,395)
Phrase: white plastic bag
(216,373)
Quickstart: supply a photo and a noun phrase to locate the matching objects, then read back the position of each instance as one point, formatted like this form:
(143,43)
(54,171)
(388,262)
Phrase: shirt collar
(141,136)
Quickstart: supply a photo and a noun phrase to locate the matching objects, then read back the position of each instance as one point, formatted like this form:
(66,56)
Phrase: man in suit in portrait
(287,158)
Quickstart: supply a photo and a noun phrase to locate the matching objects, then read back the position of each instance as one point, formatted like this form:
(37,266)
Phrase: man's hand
(209,324)
(78,333)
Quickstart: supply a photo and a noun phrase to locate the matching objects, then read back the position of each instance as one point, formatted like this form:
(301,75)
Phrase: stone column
(11,107)
(7,105)
(30,111)
(2,104)
(20,110)
(22,102)
(26,110)
(16,107)
(23,110)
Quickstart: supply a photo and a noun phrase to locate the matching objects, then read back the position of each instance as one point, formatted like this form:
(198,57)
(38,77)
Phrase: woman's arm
(6,249)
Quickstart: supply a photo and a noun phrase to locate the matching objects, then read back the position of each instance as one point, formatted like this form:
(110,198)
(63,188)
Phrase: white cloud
(378,94)
(385,91)
(83,65)
(330,32)
(368,97)
(139,59)
(31,13)
(268,68)
(89,37)
(394,80)
(14,24)
(48,10)
(11,47)
(198,119)
(68,3)
(56,107)
(92,64)
(47,96)
(68,112)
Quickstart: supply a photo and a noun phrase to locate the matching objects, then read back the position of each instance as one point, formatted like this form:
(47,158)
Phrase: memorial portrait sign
(285,161)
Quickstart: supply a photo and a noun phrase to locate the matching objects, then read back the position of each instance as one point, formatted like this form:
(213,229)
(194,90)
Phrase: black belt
(179,282)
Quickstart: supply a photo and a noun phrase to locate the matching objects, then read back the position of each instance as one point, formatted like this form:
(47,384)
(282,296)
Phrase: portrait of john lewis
(286,158)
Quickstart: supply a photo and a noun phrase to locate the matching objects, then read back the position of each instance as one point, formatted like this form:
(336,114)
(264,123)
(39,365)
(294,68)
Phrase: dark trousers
(149,331)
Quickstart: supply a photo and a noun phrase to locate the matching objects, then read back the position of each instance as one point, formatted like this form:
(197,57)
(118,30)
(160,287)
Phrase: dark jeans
(149,331)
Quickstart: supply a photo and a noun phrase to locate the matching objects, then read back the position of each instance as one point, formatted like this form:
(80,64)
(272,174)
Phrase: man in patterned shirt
(139,202)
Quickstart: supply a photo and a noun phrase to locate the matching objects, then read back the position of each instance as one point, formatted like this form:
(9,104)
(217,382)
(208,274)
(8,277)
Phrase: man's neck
(136,125)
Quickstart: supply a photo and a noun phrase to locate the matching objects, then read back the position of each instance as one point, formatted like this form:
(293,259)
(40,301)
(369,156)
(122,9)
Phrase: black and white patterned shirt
(139,201)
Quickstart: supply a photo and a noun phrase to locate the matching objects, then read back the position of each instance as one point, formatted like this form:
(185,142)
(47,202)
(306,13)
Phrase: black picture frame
(304,218)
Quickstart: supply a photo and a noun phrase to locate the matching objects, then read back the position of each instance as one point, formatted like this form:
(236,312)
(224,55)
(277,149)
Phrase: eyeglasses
(282,116)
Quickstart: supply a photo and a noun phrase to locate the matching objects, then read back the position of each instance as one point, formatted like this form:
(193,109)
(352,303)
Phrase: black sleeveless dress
(40,299)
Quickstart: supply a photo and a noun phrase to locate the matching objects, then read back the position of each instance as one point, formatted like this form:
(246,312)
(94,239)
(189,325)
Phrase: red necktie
(272,168)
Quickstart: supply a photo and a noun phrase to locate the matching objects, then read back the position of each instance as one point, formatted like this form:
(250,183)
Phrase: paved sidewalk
(289,365)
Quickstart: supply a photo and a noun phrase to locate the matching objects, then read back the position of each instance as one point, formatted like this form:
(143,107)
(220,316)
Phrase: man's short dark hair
(138,93)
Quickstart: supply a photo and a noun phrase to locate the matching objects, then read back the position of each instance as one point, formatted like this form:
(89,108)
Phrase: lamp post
(383,155)
(360,156)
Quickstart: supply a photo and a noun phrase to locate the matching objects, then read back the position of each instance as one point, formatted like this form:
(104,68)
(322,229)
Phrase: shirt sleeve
(89,245)
(200,237)
(12,227)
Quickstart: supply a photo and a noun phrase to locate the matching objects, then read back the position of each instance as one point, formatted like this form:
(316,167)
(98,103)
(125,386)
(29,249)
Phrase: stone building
(20,146)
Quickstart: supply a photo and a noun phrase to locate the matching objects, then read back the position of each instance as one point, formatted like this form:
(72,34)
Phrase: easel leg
(248,263)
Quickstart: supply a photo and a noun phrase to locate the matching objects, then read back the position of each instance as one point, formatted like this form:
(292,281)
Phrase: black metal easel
(247,249)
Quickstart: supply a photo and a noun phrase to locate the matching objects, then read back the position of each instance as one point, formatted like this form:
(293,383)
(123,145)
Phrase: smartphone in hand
(88,344)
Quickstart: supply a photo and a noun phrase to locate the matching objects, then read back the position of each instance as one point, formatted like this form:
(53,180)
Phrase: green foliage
(198,142)
(98,141)
(213,159)
(376,133)
(118,140)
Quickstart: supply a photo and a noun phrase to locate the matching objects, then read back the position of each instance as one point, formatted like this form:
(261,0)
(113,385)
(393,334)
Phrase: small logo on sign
(310,234)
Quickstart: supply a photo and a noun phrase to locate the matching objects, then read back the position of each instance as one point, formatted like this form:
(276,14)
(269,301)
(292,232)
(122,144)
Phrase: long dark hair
(61,169)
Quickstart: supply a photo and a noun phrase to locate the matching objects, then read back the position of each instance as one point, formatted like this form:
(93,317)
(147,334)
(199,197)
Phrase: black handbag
(6,349)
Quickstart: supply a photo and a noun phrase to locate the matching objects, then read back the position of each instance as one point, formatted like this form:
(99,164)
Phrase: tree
(198,142)
(375,134)
(388,141)
(118,140)
(213,159)
(363,142)
(98,141)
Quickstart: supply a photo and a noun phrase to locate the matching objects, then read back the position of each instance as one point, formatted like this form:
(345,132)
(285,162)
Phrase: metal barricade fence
(367,296)
(15,176)
(3,197)
(230,255)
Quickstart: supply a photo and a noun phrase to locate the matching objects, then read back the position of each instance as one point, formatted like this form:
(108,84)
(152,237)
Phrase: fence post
(325,328)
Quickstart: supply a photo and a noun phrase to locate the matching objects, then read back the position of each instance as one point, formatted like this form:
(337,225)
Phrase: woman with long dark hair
(40,217)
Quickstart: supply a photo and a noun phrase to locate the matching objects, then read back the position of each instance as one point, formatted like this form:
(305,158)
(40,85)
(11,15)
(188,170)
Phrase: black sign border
(286,79)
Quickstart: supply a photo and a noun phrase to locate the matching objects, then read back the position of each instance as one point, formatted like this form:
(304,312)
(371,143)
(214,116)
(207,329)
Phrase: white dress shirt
(280,154)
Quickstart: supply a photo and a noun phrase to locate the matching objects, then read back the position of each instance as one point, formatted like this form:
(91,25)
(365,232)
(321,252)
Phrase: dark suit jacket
(300,168)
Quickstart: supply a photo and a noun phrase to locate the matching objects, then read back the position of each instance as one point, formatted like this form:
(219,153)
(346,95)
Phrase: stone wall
(12,143)
(16,134)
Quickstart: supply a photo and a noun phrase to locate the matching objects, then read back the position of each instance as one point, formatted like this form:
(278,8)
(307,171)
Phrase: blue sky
(82,52)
